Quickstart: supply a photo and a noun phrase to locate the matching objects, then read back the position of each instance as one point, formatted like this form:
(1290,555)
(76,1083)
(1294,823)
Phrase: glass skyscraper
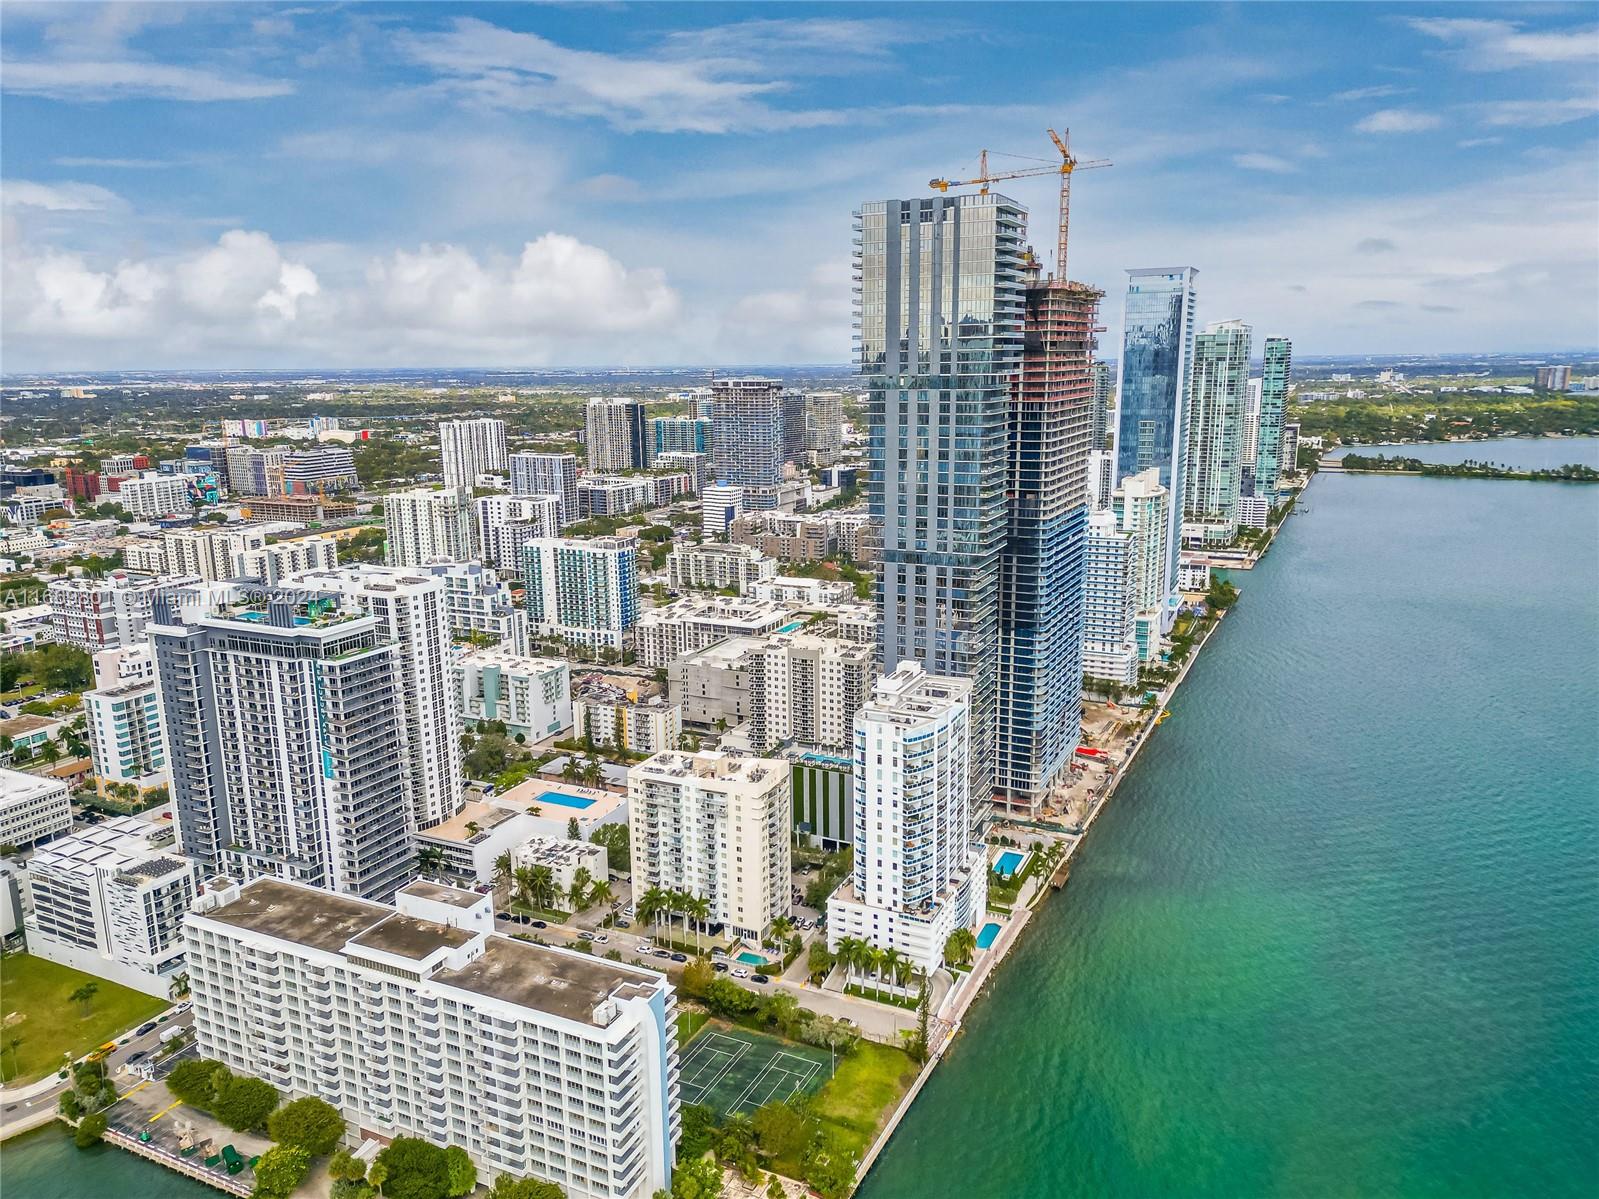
(1275,375)
(1152,394)
(1215,428)
(940,295)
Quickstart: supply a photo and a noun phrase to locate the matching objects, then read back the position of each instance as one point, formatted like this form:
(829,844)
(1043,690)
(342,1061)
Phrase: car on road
(585,935)
(759,978)
(147,1026)
(624,924)
(719,967)
(136,1057)
(538,924)
(602,939)
(680,957)
(741,973)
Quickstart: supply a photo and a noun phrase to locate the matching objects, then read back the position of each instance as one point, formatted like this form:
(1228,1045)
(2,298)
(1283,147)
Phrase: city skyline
(562,189)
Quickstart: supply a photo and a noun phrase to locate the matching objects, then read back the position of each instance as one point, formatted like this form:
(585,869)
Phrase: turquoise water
(1533,453)
(752,959)
(47,1165)
(792,626)
(562,800)
(985,938)
(1007,863)
(1338,932)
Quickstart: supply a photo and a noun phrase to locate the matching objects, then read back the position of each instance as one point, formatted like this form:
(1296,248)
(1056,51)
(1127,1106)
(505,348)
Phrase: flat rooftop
(565,984)
(316,919)
(411,937)
(453,896)
(485,816)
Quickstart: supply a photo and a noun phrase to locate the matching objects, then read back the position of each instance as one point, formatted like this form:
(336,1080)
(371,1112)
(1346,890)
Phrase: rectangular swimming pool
(792,626)
(562,799)
(985,938)
(1009,863)
(752,959)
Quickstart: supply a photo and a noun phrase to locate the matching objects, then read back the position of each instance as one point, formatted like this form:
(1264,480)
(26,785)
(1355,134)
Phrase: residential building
(616,435)
(1110,643)
(283,741)
(613,495)
(940,349)
(110,901)
(1277,374)
(1249,442)
(716,567)
(125,739)
(314,472)
(810,593)
(253,471)
(824,427)
(1142,509)
(713,683)
(584,590)
(1101,479)
(805,690)
(480,606)
(547,474)
(1552,378)
(152,495)
(272,563)
(787,537)
(1215,427)
(696,466)
(104,613)
(1152,389)
(32,808)
(303,509)
(697,621)
(678,435)
(1289,458)
(532,697)
(795,434)
(424,526)
(919,873)
(721,505)
(420,1020)
(469,448)
(1104,405)
(505,522)
(747,438)
(1254,512)
(563,858)
(412,611)
(641,726)
(1193,575)
(715,827)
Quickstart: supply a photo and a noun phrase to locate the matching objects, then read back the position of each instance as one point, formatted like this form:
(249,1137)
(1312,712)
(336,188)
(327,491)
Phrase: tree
(543,887)
(429,861)
(697,1179)
(194,1081)
(12,1044)
(308,1124)
(346,1166)
(280,1172)
(523,877)
(819,961)
(726,998)
(960,946)
(179,987)
(579,889)
(618,852)
(378,1175)
(918,1041)
(350,1188)
(774,1187)
(70,1106)
(574,831)
(780,1130)
(783,1011)
(415,1169)
(651,906)
(697,978)
(460,1173)
(893,963)
(84,995)
(244,1104)
(830,1169)
(699,1127)
(506,1187)
(699,908)
(781,927)
(601,892)
(90,1130)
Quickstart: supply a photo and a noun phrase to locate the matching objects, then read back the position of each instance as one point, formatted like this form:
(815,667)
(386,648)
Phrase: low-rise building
(713,684)
(697,621)
(32,808)
(809,593)
(721,505)
(419,1020)
(610,717)
(531,696)
(716,567)
(151,495)
(563,858)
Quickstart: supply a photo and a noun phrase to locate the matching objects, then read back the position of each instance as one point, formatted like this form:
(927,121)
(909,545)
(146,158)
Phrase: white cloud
(84,79)
(1264,162)
(808,323)
(59,197)
(1398,120)
(1537,114)
(1492,45)
(523,72)
(1373,93)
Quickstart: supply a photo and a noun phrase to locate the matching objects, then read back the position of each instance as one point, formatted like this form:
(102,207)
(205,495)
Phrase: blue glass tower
(1152,386)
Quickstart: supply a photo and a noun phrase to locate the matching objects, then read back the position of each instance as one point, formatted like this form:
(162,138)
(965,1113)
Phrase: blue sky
(341,185)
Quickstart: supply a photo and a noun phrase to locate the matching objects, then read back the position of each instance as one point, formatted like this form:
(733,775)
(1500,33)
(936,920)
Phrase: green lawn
(46,1023)
(862,1093)
(689,1023)
(548,915)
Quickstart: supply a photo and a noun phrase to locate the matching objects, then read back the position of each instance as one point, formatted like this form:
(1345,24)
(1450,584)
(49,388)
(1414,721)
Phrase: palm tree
(522,876)
(179,987)
(569,771)
(961,945)
(429,860)
(11,1044)
(543,887)
(503,869)
(700,908)
(849,953)
(84,995)
(651,905)
(579,888)
(895,964)
(781,927)
(601,892)
(874,961)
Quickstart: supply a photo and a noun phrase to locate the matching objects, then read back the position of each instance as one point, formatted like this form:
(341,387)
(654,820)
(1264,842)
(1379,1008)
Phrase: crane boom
(1068,164)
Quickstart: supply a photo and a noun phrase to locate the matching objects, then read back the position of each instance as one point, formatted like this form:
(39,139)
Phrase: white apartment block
(616,434)
(613,495)
(212,554)
(716,827)
(547,474)
(478,603)
(273,563)
(1254,511)
(1110,643)
(806,689)
(32,808)
(97,614)
(110,901)
(1192,575)
(918,873)
(720,505)
(150,495)
(422,1021)
(1140,504)
(1101,479)
(424,526)
(470,448)
(505,522)
(584,590)
(645,726)
(718,567)
(411,609)
(810,593)
(694,622)
(125,741)
(563,858)
(531,696)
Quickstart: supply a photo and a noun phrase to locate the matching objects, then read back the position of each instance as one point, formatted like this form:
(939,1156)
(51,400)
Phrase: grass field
(869,1082)
(689,1023)
(37,1012)
(734,1071)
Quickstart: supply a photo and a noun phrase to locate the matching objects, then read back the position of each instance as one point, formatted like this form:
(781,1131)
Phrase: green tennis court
(734,1071)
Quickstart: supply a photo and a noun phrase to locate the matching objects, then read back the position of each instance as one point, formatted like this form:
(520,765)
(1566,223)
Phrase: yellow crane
(1068,164)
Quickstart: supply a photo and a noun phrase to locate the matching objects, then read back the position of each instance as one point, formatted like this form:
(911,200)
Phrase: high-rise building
(716,827)
(410,607)
(747,438)
(270,563)
(806,689)
(1215,429)
(105,613)
(1142,509)
(919,873)
(125,742)
(720,505)
(824,427)
(315,472)
(940,311)
(1110,644)
(504,522)
(1290,455)
(422,1021)
(795,426)
(584,590)
(151,495)
(1249,442)
(678,435)
(283,741)
(616,435)
(1104,404)
(480,605)
(470,448)
(1152,388)
(1041,566)
(1276,374)
(547,474)
(1552,378)
(422,525)
(1101,479)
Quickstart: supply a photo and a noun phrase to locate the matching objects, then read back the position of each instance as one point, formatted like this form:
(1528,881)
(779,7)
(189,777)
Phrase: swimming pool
(1009,863)
(791,626)
(752,959)
(986,937)
(562,799)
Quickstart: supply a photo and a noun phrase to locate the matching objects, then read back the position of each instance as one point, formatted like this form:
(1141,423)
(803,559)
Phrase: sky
(327,185)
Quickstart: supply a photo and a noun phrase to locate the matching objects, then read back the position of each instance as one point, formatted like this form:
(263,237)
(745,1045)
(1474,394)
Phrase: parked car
(759,978)
(680,957)
(624,924)
(602,939)
(503,915)
(585,935)
(719,967)
(741,972)
(147,1026)
(538,924)
(135,1057)
(645,947)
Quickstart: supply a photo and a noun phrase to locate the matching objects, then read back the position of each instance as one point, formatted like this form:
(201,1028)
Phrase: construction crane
(1068,164)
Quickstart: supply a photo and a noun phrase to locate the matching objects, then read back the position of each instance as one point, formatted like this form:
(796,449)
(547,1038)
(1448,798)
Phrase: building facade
(718,568)
(616,434)
(105,613)
(747,438)
(1277,373)
(1217,397)
(547,474)
(805,689)
(1110,643)
(470,448)
(530,696)
(505,522)
(695,622)
(584,590)
(423,526)
(32,808)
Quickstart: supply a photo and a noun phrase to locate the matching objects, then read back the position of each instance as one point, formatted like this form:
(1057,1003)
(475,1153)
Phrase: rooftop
(485,816)
(410,937)
(453,896)
(302,915)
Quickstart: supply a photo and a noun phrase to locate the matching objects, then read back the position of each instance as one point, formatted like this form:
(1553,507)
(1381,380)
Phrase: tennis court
(732,1070)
